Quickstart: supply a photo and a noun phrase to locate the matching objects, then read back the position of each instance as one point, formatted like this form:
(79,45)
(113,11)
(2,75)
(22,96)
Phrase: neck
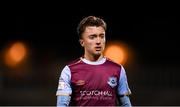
(93,57)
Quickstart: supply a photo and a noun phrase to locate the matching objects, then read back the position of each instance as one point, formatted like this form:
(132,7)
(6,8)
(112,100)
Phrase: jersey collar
(100,61)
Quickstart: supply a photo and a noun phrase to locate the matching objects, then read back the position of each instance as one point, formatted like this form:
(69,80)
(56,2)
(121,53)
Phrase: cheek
(87,44)
(104,42)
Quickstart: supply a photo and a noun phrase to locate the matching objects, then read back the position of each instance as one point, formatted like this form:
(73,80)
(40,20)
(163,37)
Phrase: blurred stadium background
(36,43)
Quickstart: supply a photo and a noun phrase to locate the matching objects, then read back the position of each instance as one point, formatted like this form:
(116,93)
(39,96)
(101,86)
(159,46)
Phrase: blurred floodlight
(15,54)
(117,52)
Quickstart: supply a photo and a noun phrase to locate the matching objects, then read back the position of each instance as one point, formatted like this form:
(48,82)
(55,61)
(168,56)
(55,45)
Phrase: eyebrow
(93,35)
(96,34)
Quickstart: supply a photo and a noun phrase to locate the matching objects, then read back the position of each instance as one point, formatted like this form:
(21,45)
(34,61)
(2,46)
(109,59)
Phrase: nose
(98,41)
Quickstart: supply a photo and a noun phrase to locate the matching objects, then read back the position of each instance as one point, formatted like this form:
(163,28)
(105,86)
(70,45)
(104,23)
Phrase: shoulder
(109,61)
(114,65)
(74,62)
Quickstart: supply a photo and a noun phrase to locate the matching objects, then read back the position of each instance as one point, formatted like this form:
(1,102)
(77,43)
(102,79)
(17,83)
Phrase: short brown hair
(90,21)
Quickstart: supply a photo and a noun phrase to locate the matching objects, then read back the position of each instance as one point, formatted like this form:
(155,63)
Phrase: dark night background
(49,32)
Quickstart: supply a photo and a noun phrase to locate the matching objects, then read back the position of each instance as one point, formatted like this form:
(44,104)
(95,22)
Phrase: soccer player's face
(93,40)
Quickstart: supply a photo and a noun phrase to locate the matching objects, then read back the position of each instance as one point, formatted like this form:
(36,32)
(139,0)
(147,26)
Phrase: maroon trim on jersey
(94,85)
(74,62)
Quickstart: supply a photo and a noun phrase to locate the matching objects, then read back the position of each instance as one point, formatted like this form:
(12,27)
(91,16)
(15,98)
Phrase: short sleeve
(123,87)
(64,86)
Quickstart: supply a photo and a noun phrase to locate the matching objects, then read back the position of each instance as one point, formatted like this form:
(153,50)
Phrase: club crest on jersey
(112,81)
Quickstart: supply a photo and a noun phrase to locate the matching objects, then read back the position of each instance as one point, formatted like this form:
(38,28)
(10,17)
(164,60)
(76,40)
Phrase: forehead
(94,30)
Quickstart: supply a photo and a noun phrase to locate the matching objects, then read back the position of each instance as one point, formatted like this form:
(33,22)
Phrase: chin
(97,54)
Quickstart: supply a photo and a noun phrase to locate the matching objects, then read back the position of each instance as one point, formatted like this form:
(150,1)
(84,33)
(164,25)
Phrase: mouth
(98,48)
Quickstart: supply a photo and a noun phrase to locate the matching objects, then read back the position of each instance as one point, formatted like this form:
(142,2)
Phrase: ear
(81,42)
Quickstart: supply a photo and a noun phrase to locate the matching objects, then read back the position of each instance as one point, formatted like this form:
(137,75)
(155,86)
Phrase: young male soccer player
(93,79)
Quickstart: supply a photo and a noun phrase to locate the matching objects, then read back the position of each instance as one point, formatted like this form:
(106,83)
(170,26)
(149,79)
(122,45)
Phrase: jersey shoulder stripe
(111,61)
(74,62)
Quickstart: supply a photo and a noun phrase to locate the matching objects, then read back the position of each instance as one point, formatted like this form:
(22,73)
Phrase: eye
(102,36)
(92,36)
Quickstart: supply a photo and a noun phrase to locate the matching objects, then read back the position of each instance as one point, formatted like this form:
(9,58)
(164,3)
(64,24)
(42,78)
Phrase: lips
(98,48)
